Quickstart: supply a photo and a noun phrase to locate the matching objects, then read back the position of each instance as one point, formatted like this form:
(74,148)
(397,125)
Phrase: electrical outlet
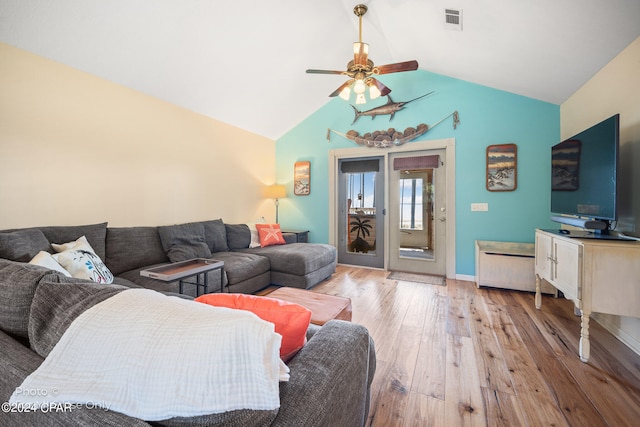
(479,207)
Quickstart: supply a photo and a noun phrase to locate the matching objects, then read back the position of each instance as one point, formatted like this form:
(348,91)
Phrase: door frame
(448,144)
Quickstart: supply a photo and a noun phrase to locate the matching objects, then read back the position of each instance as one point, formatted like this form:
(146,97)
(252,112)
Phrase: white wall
(615,89)
(77,149)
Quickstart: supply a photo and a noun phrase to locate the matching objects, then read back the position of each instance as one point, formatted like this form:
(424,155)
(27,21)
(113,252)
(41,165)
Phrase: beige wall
(615,89)
(75,149)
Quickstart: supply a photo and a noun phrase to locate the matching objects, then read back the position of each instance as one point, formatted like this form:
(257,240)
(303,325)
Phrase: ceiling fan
(361,69)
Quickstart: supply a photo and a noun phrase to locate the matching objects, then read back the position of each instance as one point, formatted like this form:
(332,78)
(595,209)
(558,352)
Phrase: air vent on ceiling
(453,19)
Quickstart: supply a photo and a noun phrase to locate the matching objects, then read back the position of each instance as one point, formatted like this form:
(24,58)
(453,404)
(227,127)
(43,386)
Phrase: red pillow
(291,320)
(270,234)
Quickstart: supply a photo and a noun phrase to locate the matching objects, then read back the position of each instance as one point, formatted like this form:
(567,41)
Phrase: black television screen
(584,170)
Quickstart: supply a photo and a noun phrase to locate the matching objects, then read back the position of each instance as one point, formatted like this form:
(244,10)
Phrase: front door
(361,212)
(417,212)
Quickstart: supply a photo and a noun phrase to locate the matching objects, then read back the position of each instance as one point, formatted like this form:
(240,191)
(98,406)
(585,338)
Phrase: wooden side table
(302,236)
(184,270)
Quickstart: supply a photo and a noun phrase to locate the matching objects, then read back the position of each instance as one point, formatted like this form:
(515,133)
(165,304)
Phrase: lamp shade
(274,191)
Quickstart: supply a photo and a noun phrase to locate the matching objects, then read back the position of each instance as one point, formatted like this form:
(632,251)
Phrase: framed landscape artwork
(302,178)
(502,167)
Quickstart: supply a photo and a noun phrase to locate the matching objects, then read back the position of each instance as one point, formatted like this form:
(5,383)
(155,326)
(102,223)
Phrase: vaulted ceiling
(243,62)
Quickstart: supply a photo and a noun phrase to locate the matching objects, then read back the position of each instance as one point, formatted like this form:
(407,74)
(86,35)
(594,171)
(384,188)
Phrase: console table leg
(538,298)
(585,346)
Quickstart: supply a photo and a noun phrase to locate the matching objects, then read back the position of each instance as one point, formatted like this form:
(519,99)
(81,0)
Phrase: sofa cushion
(80,260)
(215,234)
(96,235)
(255,236)
(57,302)
(238,236)
(182,242)
(297,258)
(18,283)
(129,248)
(22,245)
(291,320)
(45,259)
(240,266)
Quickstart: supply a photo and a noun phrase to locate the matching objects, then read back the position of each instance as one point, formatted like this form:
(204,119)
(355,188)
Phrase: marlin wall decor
(390,108)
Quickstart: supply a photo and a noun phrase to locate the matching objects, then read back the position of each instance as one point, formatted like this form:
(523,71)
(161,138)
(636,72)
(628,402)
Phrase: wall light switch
(479,207)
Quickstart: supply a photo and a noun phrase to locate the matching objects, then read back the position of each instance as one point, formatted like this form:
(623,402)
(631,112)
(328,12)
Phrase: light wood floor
(456,355)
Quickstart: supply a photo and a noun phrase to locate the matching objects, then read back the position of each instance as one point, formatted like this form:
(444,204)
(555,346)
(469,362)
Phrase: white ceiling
(243,62)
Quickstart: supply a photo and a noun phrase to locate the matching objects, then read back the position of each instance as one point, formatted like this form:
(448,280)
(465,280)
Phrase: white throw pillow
(45,259)
(79,259)
(255,237)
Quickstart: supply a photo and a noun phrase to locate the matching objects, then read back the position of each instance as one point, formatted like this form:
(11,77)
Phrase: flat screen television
(584,176)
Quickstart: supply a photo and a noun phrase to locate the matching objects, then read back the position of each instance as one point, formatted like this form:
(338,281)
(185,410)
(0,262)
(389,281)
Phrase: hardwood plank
(399,350)
(429,377)
(424,411)
(494,374)
(503,409)
(464,402)
(388,405)
(458,314)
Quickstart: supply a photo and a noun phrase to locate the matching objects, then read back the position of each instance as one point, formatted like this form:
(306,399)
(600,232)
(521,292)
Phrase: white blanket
(155,357)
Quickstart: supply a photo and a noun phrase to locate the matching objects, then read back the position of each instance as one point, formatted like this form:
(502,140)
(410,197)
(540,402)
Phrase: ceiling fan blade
(324,72)
(384,91)
(337,91)
(398,67)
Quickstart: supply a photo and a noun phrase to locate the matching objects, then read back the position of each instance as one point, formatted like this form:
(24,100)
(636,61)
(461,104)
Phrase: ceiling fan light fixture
(345,93)
(359,87)
(360,99)
(374,93)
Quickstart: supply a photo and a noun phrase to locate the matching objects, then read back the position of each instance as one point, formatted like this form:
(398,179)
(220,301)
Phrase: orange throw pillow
(291,320)
(270,234)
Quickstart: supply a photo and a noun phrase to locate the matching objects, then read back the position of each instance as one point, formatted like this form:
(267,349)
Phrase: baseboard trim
(624,337)
(466,278)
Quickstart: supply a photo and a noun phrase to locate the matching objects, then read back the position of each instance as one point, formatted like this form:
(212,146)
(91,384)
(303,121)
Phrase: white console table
(601,276)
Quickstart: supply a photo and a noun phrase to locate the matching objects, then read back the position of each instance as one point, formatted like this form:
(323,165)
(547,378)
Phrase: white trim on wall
(609,323)
(449,145)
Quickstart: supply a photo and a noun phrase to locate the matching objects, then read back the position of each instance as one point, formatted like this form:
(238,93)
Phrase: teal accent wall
(487,116)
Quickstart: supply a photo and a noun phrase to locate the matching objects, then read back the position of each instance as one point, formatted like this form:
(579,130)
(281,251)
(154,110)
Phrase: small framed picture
(302,178)
(502,167)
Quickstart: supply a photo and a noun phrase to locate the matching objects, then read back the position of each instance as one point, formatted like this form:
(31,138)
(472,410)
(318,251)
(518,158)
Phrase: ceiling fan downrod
(359,11)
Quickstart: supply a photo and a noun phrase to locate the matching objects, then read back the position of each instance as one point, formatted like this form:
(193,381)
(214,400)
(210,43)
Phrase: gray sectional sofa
(128,250)
(330,377)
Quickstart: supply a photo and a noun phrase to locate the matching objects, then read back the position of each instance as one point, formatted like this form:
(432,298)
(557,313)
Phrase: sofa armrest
(330,379)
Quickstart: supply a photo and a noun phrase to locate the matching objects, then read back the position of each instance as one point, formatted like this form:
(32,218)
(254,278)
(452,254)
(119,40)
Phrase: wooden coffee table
(323,307)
